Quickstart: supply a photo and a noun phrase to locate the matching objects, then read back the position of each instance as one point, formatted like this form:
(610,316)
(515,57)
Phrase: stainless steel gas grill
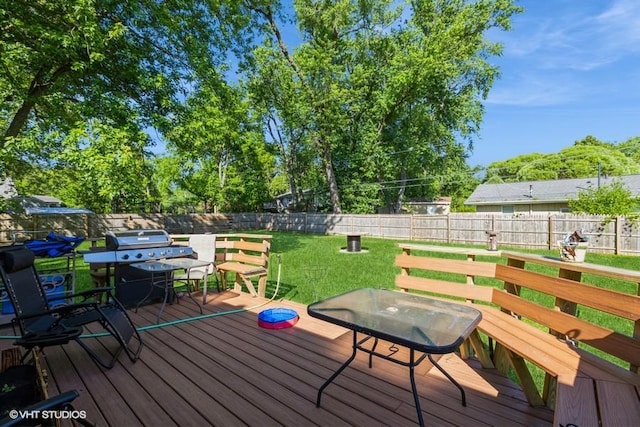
(124,248)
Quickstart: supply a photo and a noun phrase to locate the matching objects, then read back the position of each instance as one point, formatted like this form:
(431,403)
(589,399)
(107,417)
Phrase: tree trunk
(39,85)
(334,194)
(401,191)
(288,159)
(18,121)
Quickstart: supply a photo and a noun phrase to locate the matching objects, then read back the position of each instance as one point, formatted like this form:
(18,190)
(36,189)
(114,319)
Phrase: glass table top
(425,324)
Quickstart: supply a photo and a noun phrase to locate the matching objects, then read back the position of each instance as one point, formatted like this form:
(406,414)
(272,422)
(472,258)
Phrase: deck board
(226,370)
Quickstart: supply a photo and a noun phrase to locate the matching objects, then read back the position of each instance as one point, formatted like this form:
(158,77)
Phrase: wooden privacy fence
(606,235)
(618,235)
(22,227)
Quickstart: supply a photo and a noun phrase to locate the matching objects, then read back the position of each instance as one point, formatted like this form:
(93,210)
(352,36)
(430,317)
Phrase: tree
(586,158)
(225,163)
(373,80)
(66,64)
(93,155)
(613,200)
(173,198)
(630,148)
(78,55)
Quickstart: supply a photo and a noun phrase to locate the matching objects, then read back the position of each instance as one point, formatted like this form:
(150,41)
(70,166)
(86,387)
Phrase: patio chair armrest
(61,335)
(85,295)
(59,309)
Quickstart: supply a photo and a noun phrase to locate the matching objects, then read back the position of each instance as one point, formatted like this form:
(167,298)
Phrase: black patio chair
(27,416)
(43,325)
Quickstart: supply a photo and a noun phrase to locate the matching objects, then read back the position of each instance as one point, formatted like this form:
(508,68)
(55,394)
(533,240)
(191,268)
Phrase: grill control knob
(125,256)
(151,254)
(139,255)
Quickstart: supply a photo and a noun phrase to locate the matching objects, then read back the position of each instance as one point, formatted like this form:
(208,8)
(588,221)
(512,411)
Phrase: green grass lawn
(313,267)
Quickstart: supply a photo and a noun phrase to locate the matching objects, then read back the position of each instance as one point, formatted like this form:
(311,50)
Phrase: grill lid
(136,239)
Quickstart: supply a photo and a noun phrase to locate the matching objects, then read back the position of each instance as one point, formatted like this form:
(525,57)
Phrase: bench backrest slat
(247,259)
(607,300)
(243,245)
(245,251)
(442,287)
(621,346)
(475,268)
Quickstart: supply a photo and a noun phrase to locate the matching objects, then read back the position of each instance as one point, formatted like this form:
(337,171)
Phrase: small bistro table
(421,324)
(166,267)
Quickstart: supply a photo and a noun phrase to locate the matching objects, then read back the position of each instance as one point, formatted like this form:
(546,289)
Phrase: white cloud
(533,90)
(568,53)
(618,28)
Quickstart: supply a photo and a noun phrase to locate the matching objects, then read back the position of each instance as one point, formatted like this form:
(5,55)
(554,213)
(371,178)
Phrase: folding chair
(42,325)
(204,245)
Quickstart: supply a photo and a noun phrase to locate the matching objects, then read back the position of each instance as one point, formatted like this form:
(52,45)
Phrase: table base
(411,364)
(169,293)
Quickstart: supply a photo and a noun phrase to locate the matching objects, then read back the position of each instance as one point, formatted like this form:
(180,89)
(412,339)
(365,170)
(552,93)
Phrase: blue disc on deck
(277,318)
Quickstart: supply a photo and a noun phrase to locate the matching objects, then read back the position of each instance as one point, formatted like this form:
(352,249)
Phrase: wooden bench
(246,255)
(583,388)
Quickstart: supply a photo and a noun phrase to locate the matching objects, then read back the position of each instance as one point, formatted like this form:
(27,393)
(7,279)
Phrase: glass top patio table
(167,267)
(424,324)
(421,324)
(171,264)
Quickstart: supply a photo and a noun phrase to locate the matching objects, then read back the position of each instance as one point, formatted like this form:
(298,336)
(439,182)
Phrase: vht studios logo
(47,415)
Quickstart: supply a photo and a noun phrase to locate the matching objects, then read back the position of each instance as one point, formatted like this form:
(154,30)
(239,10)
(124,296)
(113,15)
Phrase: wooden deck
(227,371)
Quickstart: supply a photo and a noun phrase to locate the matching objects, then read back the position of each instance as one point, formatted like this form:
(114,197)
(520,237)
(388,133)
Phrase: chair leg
(215,277)
(191,296)
(105,364)
(117,322)
(205,286)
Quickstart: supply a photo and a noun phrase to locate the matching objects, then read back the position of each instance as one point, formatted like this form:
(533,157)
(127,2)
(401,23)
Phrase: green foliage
(123,65)
(173,198)
(631,148)
(224,161)
(613,200)
(379,92)
(581,160)
(98,167)
(6,388)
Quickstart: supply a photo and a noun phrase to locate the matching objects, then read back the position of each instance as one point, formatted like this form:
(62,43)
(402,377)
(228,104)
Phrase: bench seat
(245,269)
(243,272)
(247,256)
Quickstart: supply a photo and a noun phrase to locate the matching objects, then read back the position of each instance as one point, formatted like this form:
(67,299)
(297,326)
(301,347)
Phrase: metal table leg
(450,378)
(411,364)
(414,388)
(340,369)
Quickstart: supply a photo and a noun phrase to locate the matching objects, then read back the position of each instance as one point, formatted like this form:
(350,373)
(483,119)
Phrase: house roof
(56,211)
(43,205)
(535,192)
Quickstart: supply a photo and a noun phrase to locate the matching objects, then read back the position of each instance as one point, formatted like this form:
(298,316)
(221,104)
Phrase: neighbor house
(439,206)
(540,196)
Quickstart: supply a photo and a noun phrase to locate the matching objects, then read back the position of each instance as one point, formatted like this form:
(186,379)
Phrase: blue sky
(570,68)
